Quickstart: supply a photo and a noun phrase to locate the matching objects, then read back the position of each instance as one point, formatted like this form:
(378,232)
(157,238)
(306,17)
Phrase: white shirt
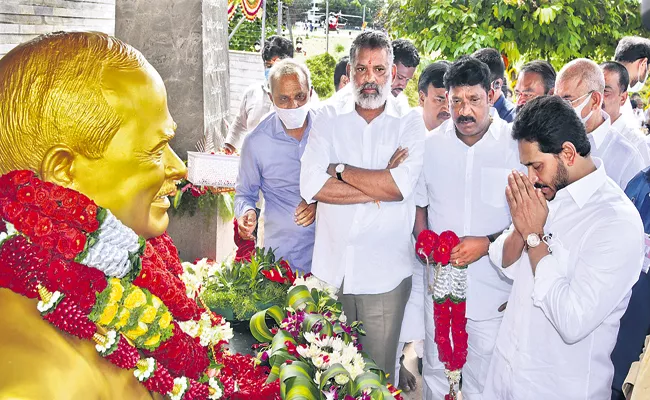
(403,100)
(634,135)
(622,160)
(464,188)
(560,326)
(254,106)
(367,244)
(628,113)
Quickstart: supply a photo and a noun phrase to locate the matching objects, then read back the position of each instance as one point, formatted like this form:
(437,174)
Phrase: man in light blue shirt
(270,162)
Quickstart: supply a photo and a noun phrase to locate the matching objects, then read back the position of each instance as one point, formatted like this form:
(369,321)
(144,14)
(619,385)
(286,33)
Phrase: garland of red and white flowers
(96,279)
(449,295)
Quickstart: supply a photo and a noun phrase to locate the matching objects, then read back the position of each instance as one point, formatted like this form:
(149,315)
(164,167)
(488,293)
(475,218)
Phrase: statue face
(138,169)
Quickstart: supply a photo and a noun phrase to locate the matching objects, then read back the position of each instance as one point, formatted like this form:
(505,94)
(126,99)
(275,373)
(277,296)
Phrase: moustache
(443,115)
(464,118)
(539,185)
(369,85)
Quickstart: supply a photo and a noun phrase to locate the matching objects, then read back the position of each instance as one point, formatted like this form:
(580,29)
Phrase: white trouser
(482,336)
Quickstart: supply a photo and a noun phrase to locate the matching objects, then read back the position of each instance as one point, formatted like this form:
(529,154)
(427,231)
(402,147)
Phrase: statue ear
(56,166)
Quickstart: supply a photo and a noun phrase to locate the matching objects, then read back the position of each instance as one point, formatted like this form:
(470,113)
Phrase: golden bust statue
(87,112)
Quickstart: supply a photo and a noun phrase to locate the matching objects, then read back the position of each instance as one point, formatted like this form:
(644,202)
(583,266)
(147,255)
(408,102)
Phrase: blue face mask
(266,73)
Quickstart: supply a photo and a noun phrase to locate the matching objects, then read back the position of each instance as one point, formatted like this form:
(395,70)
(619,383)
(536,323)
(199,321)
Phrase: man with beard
(634,53)
(581,84)
(433,95)
(362,163)
(536,78)
(492,58)
(406,59)
(466,163)
(573,261)
(616,83)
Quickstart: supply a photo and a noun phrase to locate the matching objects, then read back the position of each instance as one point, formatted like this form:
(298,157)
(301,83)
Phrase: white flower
(341,379)
(314,283)
(144,374)
(319,362)
(180,387)
(303,351)
(317,377)
(111,338)
(216,385)
(43,307)
(204,330)
(342,318)
(310,337)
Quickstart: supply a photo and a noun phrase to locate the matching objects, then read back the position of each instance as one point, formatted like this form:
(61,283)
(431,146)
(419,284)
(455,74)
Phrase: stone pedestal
(187,42)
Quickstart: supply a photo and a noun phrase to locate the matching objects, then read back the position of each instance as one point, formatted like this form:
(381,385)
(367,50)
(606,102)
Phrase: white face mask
(582,106)
(292,118)
(639,85)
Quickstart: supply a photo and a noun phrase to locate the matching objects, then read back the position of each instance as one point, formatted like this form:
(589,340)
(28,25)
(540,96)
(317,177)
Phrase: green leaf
(258,326)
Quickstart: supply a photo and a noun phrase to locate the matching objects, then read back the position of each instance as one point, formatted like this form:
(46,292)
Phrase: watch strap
(339,177)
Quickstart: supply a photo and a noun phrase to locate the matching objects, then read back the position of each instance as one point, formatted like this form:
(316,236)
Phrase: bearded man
(362,163)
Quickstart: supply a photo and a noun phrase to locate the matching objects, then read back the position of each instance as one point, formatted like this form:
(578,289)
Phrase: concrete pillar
(187,42)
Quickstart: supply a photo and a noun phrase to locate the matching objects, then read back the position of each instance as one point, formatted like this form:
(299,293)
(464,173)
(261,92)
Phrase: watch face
(339,168)
(533,240)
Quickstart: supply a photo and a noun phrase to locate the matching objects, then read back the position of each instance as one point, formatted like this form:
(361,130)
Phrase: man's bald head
(584,74)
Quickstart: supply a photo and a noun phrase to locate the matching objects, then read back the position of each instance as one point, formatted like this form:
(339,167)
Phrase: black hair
(634,104)
(623,75)
(277,46)
(340,70)
(405,53)
(493,59)
(468,71)
(544,69)
(632,48)
(433,74)
(371,40)
(550,121)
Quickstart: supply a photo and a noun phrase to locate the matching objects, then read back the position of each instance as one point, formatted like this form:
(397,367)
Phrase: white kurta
(464,189)
(561,324)
(633,133)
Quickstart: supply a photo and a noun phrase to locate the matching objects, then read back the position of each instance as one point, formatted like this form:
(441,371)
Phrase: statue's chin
(158,219)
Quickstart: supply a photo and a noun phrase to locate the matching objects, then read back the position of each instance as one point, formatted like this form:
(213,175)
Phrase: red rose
(442,253)
(63,247)
(450,238)
(69,199)
(91,211)
(41,196)
(21,177)
(25,194)
(49,208)
(47,242)
(83,201)
(427,241)
(78,244)
(43,227)
(58,193)
(12,210)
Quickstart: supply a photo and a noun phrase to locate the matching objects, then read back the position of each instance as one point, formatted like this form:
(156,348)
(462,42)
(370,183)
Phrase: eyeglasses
(525,95)
(570,102)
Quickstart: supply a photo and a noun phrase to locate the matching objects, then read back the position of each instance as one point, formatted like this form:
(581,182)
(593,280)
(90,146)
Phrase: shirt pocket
(493,186)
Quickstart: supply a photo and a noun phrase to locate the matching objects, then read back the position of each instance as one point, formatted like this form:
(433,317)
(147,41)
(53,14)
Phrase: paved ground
(411,363)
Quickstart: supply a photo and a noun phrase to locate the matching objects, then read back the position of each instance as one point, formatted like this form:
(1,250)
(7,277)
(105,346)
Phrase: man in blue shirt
(270,162)
(504,107)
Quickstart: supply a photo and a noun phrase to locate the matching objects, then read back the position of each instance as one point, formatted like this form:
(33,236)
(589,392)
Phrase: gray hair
(371,40)
(289,66)
(585,70)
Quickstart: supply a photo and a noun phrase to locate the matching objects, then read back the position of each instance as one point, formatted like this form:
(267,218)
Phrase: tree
(322,74)
(557,30)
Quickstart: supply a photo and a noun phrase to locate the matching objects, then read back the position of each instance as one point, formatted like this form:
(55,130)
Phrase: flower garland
(97,280)
(449,294)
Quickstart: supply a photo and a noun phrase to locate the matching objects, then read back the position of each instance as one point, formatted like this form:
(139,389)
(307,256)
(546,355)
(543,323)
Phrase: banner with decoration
(250,8)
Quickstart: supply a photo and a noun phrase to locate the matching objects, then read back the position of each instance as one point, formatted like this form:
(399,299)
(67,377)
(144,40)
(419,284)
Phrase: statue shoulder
(40,362)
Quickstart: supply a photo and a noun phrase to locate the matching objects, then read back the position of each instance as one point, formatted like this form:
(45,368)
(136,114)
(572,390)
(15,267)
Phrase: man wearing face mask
(574,250)
(633,52)
(362,164)
(504,107)
(581,84)
(270,162)
(466,162)
(256,104)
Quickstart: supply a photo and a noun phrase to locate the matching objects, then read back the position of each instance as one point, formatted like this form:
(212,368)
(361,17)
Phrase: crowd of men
(558,301)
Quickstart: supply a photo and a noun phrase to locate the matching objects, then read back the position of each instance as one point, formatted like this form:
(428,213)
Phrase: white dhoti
(482,337)
(413,322)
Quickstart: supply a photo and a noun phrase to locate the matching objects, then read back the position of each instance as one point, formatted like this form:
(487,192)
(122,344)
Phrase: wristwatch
(533,240)
(339,170)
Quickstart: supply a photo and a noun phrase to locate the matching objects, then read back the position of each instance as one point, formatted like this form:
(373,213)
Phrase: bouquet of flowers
(313,350)
(239,289)
(190,198)
(448,287)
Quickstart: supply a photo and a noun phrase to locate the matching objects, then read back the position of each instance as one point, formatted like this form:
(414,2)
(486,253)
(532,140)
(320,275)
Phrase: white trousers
(482,336)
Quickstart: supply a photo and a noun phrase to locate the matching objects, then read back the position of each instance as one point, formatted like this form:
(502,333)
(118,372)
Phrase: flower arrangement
(190,198)
(239,289)
(313,350)
(92,274)
(449,294)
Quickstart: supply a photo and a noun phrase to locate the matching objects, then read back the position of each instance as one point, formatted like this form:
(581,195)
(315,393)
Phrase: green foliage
(322,74)
(239,290)
(558,30)
(339,48)
(207,202)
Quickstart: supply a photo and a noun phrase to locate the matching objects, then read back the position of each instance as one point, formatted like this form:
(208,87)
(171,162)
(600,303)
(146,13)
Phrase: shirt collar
(582,189)
(600,133)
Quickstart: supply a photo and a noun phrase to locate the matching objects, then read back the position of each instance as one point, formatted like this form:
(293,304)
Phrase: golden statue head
(86,111)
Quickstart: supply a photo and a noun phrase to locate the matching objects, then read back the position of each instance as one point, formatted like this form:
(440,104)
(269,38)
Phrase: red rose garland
(448,307)
(54,225)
